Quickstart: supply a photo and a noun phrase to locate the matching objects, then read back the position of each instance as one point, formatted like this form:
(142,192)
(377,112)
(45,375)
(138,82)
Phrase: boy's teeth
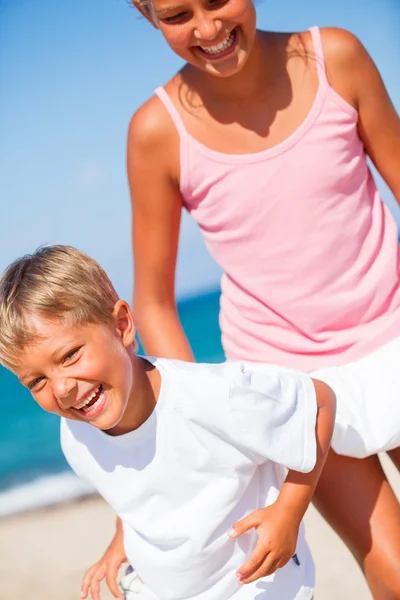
(89,399)
(224,45)
(99,399)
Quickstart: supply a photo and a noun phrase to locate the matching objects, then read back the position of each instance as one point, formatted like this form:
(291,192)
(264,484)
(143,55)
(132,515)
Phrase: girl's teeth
(224,45)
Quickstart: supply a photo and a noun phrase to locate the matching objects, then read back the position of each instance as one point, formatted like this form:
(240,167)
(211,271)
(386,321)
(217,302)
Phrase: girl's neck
(251,81)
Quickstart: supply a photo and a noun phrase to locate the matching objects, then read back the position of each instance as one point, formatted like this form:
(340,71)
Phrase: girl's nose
(207,28)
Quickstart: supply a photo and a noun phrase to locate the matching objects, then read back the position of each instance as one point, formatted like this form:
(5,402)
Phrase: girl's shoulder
(348,64)
(345,58)
(341,48)
(337,43)
(150,129)
(153,140)
(343,51)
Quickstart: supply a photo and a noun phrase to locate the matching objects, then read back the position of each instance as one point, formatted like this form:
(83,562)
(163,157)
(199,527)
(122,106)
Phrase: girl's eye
(176,18)
(217,3)
(35,383)
(70,355)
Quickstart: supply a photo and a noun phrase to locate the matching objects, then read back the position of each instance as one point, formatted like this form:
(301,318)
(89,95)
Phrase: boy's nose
(63,386)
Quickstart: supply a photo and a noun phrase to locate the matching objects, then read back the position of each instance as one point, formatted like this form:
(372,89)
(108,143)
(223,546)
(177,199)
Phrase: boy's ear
(143,6)
(124,322)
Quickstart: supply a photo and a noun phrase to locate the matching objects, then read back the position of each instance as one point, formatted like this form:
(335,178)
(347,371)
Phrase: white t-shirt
(214,449)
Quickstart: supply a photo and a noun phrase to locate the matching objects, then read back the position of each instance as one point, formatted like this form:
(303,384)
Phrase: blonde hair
(54,282)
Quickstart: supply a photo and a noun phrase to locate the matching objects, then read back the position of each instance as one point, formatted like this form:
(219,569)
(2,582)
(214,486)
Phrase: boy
(193,458)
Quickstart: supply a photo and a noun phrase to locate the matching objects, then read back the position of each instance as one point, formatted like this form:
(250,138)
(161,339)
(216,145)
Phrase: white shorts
(134,588)
(368,402)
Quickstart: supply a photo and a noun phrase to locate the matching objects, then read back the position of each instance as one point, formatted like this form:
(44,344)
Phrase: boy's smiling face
(82,372)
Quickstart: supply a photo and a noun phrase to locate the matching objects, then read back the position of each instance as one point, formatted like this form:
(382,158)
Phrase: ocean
(33,471)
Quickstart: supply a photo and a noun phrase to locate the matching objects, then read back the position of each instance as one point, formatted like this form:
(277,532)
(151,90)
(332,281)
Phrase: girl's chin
(225,72)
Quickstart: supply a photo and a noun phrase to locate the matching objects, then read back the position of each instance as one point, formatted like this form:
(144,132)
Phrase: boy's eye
(35,383)
(70,355)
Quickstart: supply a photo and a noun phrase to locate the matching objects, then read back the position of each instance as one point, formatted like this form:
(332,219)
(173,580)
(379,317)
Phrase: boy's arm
(298,489)
(277,525)
(107,567)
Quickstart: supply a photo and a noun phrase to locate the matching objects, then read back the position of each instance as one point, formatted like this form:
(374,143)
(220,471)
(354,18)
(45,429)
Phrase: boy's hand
(108,567)
(277,538)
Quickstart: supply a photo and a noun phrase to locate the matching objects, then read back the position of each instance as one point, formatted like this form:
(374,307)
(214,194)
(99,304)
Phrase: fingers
(86,583)
(92,580)
(254,562)
(262,562)
(111,579)
(108,568)
(252,520)
(95,584)
(267,567)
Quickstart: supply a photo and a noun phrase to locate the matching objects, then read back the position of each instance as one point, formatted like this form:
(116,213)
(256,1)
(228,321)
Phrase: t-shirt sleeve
(272,414)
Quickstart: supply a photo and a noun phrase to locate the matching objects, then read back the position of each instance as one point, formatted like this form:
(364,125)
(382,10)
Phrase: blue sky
(71,75)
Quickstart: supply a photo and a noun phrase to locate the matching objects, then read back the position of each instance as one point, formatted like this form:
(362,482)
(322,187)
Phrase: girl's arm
(153,173)
(353,74)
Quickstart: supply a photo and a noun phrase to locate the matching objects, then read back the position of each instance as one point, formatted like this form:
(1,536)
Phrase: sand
(43,554)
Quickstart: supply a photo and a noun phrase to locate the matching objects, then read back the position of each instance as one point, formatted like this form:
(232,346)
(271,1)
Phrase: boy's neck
(143,397)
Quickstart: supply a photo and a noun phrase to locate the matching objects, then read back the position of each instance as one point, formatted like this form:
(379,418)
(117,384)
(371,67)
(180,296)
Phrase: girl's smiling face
(214,35)
(80,372)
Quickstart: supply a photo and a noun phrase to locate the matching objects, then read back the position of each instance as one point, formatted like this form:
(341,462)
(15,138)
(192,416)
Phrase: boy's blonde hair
(54,282)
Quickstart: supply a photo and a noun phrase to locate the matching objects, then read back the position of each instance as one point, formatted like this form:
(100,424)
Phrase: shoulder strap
(170,108)
(318,51)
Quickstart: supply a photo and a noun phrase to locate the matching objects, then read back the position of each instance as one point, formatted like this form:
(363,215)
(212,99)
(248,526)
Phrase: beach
(44,553)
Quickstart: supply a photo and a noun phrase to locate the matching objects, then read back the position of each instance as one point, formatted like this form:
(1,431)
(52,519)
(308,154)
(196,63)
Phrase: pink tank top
(310,253)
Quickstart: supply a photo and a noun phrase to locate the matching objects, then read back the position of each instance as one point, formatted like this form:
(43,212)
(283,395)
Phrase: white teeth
(224,45)
(89,408)
(88,399)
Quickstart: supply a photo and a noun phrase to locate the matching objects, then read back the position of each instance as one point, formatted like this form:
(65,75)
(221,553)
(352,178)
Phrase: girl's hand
(277,538)
(108,567)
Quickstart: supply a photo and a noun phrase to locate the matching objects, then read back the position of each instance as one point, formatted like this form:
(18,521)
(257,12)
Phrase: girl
(263,137)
